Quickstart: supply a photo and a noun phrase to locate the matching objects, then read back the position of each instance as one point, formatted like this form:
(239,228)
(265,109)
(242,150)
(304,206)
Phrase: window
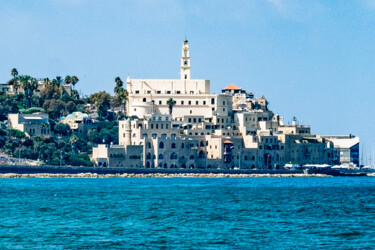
(196,102)
(158,92)
(189,119)
(223,102)
(183,145)
(173,145)
(159,102)
(212,101)
(189,102)
(161,145)
(182,102)
(173,156)
(168,92)
(161,157)
(152,126)
(204,102)
(178,92)
(137,91)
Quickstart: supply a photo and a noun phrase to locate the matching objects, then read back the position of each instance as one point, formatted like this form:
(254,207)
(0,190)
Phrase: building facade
(178,123)
(31,124)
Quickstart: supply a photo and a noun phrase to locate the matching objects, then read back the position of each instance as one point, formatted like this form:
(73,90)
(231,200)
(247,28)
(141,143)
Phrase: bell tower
(185,61)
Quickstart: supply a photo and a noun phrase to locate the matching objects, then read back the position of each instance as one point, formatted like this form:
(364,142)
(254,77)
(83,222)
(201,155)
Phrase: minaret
(185,61)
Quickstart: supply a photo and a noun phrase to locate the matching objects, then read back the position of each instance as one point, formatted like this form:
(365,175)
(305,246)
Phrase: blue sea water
(188,213)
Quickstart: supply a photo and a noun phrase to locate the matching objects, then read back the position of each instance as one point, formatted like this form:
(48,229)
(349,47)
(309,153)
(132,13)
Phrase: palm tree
(14,73)
(119,84)
(29,84)
(68,79)
(47,81)
(57,81)
(170,103)
(74,80)
(120,92)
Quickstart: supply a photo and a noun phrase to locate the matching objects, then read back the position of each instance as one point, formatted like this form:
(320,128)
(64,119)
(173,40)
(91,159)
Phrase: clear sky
(312,59)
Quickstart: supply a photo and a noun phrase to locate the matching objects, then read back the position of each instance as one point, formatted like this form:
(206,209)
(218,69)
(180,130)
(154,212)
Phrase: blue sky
(312,59)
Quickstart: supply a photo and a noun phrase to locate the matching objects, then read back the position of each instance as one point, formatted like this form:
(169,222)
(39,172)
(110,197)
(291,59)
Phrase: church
(178,123)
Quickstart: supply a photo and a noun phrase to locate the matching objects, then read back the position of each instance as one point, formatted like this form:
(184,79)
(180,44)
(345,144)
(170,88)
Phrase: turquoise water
(224,213)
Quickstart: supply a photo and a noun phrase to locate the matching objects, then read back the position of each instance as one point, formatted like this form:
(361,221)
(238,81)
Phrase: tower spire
(185,60)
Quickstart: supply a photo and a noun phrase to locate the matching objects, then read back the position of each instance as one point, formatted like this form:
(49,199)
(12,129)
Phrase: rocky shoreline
(155,175)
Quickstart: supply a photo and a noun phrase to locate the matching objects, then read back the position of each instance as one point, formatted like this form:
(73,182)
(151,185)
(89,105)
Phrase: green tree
(68,79)
(54,108)
(62,129)
(74,80)
(102,101)
(121,94)
(170,103)
(29,84)
(14,73)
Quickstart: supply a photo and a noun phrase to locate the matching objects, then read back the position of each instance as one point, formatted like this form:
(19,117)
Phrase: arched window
(201,144)
(148,144)
(253,158)
(245,158)
(173,156)
(213,101)
(161,144)
(191,157)
(161,157)
(148,157)
(173,145)
(144,100)
(201,154)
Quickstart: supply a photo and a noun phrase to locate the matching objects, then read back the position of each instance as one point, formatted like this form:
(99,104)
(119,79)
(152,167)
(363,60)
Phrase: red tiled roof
(232,87)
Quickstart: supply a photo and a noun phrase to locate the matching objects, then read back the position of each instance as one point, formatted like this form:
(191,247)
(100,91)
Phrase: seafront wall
(155,175)
(22,169)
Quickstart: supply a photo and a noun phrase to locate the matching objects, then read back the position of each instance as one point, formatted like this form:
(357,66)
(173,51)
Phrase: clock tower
(185,61)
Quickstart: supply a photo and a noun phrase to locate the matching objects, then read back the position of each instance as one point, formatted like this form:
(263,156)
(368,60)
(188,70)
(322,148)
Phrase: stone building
(80,122)
(177,123)
(31,124)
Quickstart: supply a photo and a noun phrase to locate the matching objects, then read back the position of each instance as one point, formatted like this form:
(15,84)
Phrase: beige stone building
(31,124)
(199,130)
(80,122)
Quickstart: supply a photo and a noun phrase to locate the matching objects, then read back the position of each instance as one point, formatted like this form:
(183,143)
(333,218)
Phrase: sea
(187,213)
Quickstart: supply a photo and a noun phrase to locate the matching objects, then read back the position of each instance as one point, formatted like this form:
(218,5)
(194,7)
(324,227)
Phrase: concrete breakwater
(154,175)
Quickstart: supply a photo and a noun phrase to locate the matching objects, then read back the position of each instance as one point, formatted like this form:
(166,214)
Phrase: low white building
(31,124)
